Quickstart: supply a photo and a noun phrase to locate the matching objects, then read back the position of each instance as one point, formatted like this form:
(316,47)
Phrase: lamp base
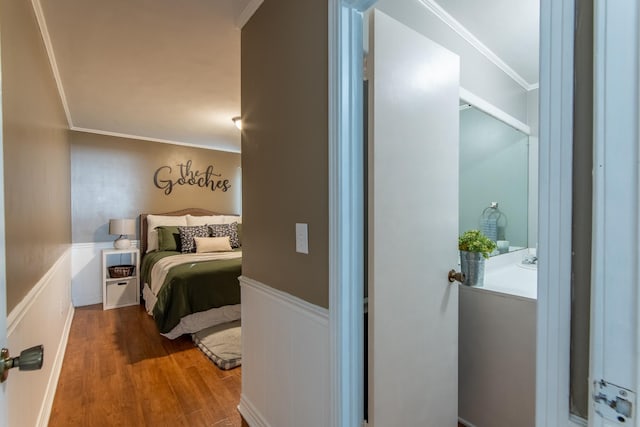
(122,243)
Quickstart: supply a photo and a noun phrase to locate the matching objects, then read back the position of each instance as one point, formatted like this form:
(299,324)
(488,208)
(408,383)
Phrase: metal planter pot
(472,265)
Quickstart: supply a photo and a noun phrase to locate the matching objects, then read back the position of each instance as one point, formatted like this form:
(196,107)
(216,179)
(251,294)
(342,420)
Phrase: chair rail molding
(30,395)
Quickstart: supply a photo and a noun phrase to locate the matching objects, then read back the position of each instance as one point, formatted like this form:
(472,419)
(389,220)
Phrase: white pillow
(212,219)
(228,219)
(212,244)
(154,221)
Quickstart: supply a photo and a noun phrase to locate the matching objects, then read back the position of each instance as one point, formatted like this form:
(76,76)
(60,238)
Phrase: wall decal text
(164,180)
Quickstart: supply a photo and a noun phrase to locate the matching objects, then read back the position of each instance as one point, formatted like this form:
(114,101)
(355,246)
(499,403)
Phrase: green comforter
(192,287)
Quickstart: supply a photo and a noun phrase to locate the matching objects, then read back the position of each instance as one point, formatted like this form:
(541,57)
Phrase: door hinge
(613,402)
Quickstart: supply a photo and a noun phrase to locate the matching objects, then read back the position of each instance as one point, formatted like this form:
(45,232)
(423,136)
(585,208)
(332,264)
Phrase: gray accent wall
(113,177)
(285,146)
(36,154)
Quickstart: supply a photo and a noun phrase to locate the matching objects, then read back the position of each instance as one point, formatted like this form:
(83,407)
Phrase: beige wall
(114,178)
(284,146)
(36,154)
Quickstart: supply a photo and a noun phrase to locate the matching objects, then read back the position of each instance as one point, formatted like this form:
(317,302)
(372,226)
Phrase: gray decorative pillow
(222,230)
(187,234)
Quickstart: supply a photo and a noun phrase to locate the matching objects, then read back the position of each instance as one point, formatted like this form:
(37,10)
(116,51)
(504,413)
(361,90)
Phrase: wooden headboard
(143,222)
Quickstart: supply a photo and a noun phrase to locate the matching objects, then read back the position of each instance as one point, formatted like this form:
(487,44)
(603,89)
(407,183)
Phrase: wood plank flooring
(118,371)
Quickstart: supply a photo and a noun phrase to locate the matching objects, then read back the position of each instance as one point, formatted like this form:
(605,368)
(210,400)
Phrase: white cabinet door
(413,228)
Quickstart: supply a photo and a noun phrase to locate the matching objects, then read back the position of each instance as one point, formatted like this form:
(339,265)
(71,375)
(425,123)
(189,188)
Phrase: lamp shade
(123,227)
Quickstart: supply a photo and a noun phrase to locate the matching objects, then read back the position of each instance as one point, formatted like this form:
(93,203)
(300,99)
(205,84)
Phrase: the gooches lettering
(164,180)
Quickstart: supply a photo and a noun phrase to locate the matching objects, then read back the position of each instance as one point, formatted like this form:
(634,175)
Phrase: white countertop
(506,274)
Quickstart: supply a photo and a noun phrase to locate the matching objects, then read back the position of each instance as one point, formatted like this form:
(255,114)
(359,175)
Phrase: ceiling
(159,69)
(510,29)
(169,71)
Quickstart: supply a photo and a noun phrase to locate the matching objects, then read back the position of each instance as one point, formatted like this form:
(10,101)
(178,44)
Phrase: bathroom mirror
(494,167)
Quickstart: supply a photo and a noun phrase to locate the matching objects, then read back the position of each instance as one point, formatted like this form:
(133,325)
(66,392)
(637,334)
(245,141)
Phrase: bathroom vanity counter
(508,275)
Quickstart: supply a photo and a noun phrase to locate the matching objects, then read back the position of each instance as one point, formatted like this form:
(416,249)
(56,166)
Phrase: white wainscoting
(42,317)
(285,359)
(86,272)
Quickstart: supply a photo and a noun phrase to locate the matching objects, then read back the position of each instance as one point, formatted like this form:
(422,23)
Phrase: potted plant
(474,248)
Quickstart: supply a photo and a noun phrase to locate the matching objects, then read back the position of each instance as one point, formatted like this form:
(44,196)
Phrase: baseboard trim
(250,414)
(318,314)
(20,310)
(52,385)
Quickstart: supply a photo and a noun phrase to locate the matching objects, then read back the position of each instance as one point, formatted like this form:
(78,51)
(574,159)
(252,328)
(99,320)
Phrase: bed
(189,287)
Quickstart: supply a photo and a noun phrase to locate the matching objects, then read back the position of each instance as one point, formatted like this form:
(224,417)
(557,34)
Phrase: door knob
(29,360)
(456,276)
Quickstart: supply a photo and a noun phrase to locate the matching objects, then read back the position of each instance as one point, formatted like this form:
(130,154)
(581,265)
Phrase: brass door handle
(29,360)
(456,276)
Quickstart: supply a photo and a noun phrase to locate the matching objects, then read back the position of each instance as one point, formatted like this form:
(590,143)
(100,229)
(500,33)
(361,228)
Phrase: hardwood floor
(118,371)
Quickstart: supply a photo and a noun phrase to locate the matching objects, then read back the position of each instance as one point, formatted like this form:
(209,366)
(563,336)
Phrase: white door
(413,228)
(615,299)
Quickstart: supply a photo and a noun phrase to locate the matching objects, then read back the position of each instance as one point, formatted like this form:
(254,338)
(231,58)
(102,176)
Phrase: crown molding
(462,31)
(44,31)
(247,12)
(145,138)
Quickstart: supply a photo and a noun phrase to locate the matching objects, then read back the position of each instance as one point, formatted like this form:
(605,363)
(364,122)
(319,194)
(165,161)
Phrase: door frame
(555,213)
(346,210)
(615,337)
(613,25)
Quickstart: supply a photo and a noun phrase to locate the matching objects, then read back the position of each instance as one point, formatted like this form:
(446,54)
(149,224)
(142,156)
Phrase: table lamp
(124,228)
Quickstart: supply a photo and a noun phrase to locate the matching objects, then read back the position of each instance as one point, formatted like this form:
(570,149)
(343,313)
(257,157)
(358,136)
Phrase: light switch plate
(302,238)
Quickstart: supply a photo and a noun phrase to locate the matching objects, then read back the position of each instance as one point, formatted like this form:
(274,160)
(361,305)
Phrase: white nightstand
(120,291)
